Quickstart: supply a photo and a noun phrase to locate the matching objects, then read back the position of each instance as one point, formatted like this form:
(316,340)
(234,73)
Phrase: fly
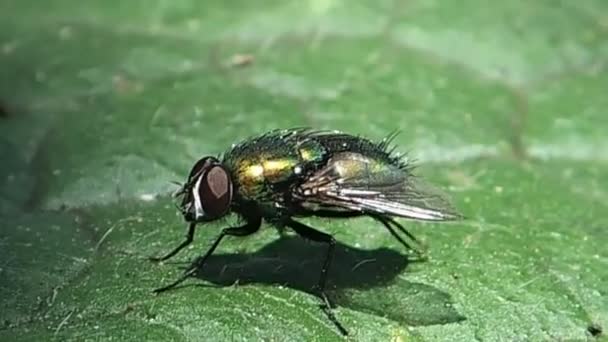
(282,175)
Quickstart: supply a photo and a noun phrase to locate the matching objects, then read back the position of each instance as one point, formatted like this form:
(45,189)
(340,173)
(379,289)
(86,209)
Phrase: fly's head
(207,193)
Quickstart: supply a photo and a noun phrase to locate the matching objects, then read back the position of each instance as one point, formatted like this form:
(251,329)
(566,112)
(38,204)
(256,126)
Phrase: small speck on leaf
(594,329)
(241,60)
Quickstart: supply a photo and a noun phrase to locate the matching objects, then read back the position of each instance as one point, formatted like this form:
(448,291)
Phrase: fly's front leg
(252,226)
(189,239)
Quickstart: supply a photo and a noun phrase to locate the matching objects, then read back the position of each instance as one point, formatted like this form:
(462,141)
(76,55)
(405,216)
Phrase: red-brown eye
(215,192)
(188,204)
(200,166)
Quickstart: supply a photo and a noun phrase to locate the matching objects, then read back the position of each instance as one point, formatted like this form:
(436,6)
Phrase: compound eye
(215,192)
(195,172)
(199,166)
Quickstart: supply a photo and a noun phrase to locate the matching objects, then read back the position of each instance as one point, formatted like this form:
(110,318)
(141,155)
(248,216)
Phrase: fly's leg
(248,228)
(389,222)
(317,236)
(189,238)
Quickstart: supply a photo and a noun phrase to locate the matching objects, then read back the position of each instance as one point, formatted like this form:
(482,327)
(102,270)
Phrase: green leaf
(104,103)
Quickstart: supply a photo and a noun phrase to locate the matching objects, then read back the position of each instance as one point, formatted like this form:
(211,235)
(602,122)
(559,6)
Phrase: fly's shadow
(363,280)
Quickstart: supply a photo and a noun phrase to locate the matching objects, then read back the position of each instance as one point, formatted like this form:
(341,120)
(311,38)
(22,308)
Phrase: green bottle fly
(285,174)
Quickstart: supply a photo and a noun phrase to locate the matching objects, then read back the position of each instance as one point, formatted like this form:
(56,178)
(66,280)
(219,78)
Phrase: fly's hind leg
(389,223)
(419,249)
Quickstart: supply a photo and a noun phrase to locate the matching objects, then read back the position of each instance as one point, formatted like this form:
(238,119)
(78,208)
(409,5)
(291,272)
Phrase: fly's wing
(351,181)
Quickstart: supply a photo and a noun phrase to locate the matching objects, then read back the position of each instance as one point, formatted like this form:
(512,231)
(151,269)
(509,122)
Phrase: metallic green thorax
(266,167)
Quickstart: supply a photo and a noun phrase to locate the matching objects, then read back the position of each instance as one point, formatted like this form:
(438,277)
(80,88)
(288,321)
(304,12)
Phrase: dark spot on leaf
(129,308)
(4,113)
(594,329)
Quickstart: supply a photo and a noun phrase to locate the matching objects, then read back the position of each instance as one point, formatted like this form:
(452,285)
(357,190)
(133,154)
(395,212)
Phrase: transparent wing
(364,184)
(412,198)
